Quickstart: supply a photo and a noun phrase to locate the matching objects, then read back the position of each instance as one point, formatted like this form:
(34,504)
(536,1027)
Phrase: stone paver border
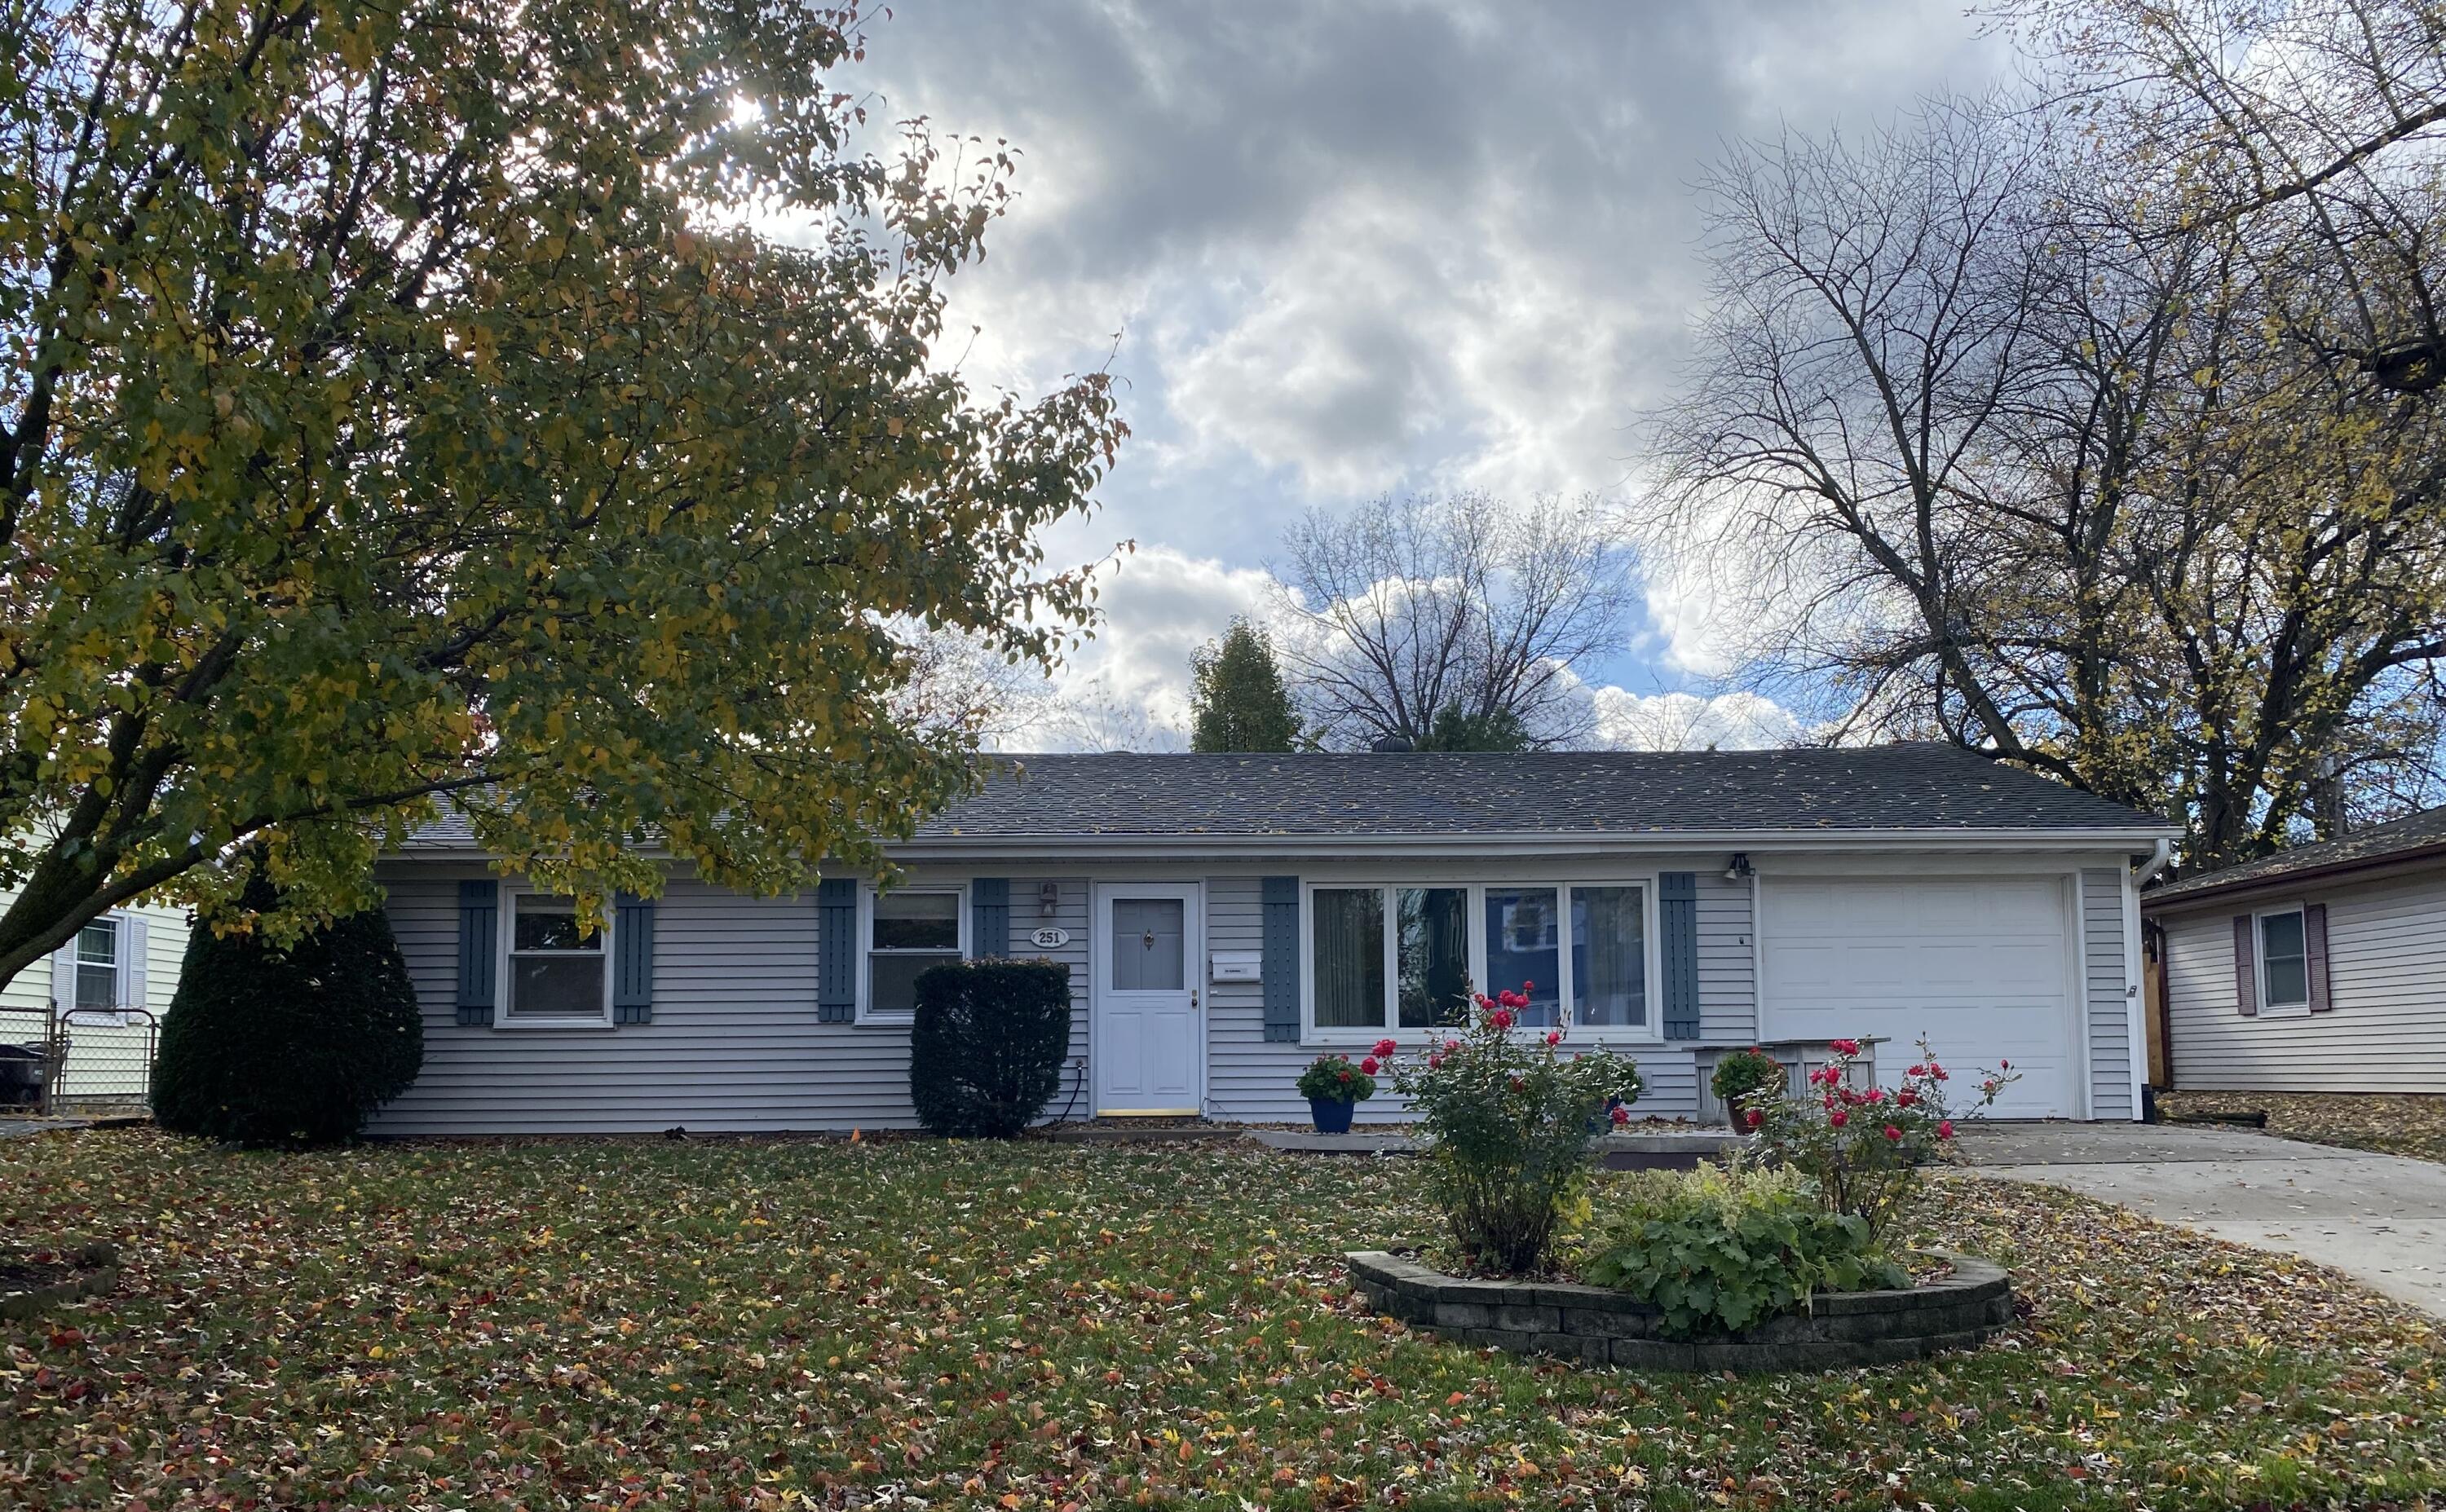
(97,1271)
(1592,1324)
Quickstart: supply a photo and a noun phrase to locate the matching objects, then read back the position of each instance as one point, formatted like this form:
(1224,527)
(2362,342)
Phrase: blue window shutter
(836,951)
(479,914)
(1279,909)
(990,917)
(633,964)
(1676,908)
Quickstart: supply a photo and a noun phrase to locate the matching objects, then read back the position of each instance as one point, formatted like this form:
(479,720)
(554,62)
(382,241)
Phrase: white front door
(1149,1036)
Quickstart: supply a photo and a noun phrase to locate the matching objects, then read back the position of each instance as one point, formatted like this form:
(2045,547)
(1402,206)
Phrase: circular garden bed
(1841,1330)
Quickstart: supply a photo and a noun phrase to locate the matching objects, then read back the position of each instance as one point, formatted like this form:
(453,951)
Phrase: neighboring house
(1227,917)
(2321,968)
(113,982)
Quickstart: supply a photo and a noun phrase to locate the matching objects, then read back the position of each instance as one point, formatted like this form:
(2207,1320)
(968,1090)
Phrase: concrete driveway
(2379,1219)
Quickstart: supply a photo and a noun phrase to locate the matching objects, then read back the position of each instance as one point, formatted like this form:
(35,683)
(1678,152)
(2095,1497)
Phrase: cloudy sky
(1333,248)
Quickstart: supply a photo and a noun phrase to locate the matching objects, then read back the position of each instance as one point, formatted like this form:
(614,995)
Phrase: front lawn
(2394,1123)
(698,1324)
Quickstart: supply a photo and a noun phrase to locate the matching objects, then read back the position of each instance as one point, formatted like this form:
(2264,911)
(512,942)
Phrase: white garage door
(1981,966)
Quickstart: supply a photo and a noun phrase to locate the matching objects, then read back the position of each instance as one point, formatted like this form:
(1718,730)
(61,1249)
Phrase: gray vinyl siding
(1069,914)
(1727,959)
(2109,1008)
(2386,975)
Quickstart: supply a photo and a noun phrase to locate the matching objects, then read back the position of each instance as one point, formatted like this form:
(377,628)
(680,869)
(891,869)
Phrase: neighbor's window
(1432,953)
(1608,957)
(97,964)
(2283,961)
(558,973)
(911,932)
(1524,931)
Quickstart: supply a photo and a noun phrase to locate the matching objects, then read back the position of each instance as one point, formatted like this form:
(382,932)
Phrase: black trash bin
(22,1069)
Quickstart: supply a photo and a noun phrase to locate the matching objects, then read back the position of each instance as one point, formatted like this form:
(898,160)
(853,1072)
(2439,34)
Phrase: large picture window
(909,931)
(558,973)
(1400,957)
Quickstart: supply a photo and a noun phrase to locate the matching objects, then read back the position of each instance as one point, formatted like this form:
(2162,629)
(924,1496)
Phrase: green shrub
(1743,1074)
(1720,1250)
(986,1052)
(1507,1113)
(294,1047)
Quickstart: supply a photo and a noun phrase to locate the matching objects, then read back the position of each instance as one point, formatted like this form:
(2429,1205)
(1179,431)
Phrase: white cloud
(1688,721)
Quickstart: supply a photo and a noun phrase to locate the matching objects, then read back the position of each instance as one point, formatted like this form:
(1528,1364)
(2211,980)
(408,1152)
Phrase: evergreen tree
(1240,700)
(1454,728)
(270,1045)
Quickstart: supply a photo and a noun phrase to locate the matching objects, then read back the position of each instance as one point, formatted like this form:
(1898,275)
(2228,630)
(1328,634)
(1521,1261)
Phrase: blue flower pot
(1333,1114)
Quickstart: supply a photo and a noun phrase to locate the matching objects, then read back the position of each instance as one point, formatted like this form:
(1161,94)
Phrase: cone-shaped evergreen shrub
(288,1047)
(985,1055)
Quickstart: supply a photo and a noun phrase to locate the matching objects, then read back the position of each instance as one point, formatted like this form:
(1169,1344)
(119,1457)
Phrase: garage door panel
(1980,966)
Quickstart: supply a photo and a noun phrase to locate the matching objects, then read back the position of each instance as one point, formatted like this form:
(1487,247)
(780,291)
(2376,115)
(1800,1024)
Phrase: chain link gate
(55,1060)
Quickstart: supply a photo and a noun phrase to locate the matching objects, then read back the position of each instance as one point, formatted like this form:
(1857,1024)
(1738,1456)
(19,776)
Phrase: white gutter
(2156,862)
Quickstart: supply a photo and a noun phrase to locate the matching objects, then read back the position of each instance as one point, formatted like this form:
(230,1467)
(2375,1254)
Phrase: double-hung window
(96,965)
(2283,961)
(909,930)
(558,973)
(1393,958)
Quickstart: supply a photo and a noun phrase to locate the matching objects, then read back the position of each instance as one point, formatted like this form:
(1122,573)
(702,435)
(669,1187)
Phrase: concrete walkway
(2379,1219)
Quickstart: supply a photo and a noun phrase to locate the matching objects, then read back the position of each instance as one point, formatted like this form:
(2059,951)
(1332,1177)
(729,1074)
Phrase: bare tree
(1416,605)
(1996,457)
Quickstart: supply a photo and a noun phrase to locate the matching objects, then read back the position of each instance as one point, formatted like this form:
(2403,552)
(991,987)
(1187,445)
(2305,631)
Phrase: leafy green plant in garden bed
(1720,1250)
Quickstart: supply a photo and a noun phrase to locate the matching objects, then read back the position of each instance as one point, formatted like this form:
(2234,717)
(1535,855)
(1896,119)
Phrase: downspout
(2146,873)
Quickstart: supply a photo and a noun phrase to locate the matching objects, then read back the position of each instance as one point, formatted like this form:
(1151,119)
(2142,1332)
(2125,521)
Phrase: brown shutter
(2246,972)
(2314,946)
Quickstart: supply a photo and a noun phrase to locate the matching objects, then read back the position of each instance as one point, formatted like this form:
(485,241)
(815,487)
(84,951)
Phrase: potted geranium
(1744,1077)
(1334,1085)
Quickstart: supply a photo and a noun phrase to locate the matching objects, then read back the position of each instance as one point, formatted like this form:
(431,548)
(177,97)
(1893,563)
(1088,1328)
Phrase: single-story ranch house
(2320,969)
(1227,918)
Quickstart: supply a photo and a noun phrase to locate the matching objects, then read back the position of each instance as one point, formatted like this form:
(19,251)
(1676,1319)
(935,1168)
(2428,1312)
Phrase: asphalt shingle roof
(2420,831)
(1920,786)
(1917,786)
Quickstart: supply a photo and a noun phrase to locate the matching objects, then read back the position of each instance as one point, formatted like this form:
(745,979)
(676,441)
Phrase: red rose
(1387,1047)
(1620,1115)
(1894,1134)
(1554,1036)
(2004,1065)
(1501,1018)
(1838,1118)
(1434,1062)
(1368,1065)
(1518,1085)
(1906,1098)
(1944,1129)
(1917,1071)
(1753,1118)
(1528,986)
(1845,1047)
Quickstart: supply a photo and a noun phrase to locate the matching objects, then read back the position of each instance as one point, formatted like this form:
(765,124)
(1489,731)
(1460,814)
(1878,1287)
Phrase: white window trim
(867,1013)
(1650,1033)
(2259,959)
(505,984)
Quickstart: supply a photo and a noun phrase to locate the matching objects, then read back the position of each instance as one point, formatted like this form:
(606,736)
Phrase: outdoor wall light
(1739,869)
(1049,898)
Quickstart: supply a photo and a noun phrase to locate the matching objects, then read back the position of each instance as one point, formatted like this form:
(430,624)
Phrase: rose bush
(1865,1148)
(1506,1120)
